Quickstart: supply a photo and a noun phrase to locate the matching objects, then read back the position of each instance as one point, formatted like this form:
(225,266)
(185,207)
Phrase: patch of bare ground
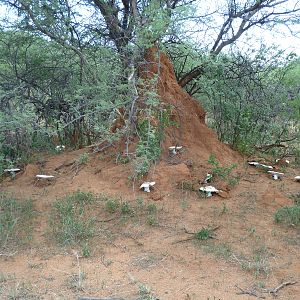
(137,254)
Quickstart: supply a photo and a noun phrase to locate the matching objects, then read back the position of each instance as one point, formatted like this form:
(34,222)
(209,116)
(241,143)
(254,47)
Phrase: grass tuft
(69,219)
(16,218)
(289,215)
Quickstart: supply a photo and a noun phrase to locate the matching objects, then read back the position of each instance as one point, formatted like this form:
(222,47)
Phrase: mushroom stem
(209,194)
(275,176)
(147,189)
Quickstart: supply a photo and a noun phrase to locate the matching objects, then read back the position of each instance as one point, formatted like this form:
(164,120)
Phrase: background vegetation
(69,70)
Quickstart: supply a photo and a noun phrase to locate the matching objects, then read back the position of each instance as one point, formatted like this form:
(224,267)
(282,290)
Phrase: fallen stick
(275,290)
(93,298)
(194,235)
(249,292)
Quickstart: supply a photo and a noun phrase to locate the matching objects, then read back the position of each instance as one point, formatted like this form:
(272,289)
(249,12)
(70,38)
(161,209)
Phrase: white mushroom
(276,175)
(44,176)
(209,190)
(60,148)
(12,171)
(173,149)
(146,186)
(297,178)
(253,163)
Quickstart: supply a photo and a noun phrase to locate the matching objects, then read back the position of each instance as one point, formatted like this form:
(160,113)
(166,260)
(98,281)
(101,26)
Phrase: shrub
(289,215)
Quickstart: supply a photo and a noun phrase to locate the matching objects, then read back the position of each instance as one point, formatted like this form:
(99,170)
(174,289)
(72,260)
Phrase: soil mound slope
(198,140)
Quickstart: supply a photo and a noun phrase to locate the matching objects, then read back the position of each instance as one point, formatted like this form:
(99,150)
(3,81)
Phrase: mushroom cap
(275,173)
(297,178)
(175,147)
(12,170)
(147,184)
(209,188)
(253,163)
(45,176)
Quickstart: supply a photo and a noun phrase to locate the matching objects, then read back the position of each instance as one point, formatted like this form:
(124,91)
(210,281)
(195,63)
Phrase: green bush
(219,171)
(289,215)
(112,205)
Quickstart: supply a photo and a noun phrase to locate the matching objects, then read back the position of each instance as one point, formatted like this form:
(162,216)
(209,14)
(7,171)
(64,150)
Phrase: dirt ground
(136,256)
(131,256)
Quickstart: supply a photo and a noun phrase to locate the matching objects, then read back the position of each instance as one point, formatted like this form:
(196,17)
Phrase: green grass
(112,206)
(203,234)
(289,215)
(70,221)
(135,209)
(16,220)
(222,250)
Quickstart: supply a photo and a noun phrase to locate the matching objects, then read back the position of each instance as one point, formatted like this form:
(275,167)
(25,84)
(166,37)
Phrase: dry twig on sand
(275,290)
(250,291)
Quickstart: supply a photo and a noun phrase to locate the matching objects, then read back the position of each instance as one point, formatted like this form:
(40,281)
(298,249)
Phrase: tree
(81,31)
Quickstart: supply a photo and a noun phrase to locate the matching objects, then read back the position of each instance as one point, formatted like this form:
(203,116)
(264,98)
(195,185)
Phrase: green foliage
(148,149)
(112,206)
(16,217)
(126,209)
(70,221)
(82,159)
(219,171)
(289,215)
(48,96)
(204,234)
(85,249)
(247,98)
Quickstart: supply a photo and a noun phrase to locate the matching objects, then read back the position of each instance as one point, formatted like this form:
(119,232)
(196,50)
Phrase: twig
(249,292)
(79,269)
(93,298)
(194,235)
(275,290)
(184,240)
(8,254)
(64,165)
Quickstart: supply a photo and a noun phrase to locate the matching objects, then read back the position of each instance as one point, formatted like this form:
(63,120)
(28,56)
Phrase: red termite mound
(197,139)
